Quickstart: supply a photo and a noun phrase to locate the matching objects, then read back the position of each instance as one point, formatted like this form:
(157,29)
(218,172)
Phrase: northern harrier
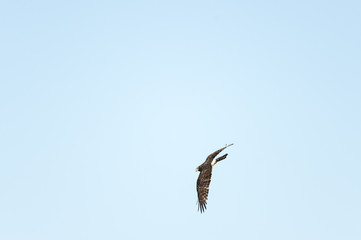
(204,178)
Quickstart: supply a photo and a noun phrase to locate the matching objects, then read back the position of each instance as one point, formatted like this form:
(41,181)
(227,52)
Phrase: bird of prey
(204,178)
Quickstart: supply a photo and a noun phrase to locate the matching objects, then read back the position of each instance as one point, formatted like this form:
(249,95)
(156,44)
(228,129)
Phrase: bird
(204,178)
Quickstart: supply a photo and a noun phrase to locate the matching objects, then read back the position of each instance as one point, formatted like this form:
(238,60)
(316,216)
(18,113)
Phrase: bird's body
(204,178)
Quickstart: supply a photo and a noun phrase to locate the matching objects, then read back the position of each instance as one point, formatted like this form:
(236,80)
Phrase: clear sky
(107,108)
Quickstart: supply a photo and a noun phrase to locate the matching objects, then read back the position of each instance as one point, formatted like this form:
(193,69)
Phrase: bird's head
(198,169)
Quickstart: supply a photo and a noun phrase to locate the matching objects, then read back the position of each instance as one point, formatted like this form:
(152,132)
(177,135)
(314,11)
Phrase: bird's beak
(196,169)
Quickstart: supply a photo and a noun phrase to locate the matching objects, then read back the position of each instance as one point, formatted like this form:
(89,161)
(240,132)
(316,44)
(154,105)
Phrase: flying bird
(204,178)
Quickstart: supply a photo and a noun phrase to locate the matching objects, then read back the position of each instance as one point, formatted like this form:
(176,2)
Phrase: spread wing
(214,154)
(204,179)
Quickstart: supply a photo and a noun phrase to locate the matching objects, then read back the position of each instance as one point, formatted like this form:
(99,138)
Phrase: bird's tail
(221,157)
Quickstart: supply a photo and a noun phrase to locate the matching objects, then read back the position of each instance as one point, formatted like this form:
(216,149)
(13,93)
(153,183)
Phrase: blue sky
(108,107)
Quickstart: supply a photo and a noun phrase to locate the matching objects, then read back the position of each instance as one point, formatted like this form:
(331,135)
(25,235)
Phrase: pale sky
(107,108)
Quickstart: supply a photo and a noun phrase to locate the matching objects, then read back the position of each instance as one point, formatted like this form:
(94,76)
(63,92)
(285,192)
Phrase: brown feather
(203,182)
(204,178)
